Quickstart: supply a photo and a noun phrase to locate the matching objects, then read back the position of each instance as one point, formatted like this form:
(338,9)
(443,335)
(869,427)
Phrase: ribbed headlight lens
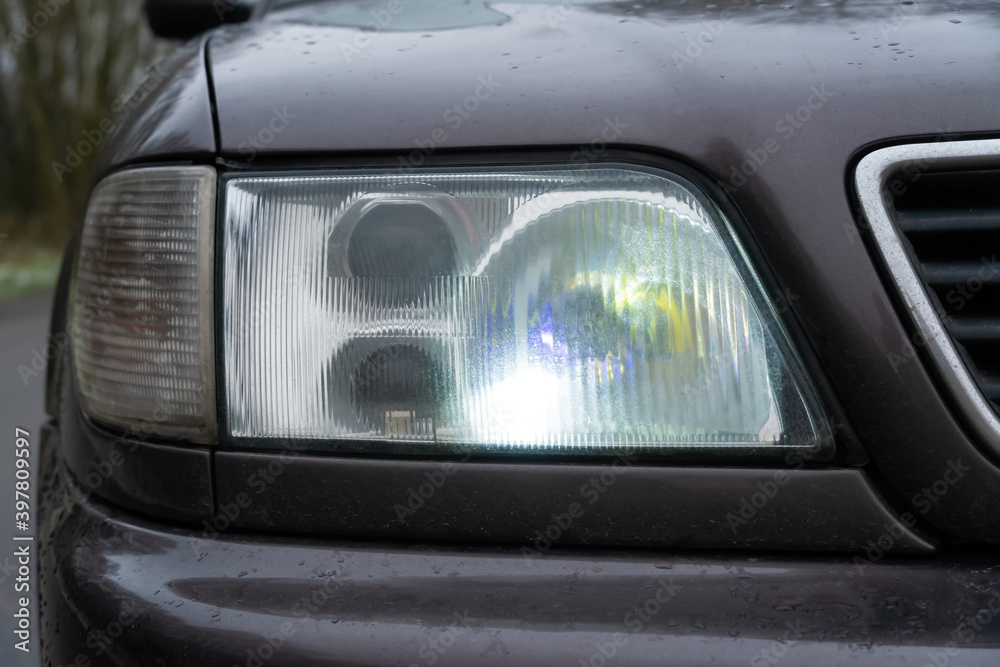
(572,310)
(141,306)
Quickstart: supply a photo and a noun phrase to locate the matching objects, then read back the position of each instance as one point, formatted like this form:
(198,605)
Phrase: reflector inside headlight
(141,317)
(561,309)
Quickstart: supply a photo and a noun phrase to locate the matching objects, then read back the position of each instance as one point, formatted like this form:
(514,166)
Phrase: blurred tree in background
(63,63)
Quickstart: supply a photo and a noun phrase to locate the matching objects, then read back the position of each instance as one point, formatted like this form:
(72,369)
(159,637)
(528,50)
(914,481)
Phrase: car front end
(530,333)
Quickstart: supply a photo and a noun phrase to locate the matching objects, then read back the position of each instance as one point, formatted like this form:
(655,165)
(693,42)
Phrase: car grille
(933,211)
(951,226)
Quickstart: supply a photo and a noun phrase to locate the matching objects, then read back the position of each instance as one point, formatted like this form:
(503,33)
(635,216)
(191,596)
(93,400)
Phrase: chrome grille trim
(870,179)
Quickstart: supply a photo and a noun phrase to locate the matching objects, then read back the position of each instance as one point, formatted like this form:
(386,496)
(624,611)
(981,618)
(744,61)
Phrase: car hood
(708,81)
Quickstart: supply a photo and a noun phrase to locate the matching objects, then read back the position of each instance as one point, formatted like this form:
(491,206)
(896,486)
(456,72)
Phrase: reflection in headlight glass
(562,310)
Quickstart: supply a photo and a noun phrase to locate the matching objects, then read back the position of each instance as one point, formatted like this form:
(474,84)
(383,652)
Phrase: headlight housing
(141,306)
(574,310)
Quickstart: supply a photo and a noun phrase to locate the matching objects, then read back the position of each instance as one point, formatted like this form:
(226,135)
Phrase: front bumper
(121,590)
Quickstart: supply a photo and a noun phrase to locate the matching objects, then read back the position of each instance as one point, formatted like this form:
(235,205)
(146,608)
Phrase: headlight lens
(558,310)
(141,306)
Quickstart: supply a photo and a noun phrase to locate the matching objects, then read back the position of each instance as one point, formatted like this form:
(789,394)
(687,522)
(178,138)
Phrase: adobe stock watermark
(924,500)
(910,171)
(277,124)
(418,495)
(100,640)
(968,628)
(750,506)
(40,359)
(905,174)
(958,297)
(381,20)
(782,301)
(556,15)
(962,293)
(433,649)
(876,549)
(587,153)
(635,621)
(259,481)
(56,343)
(908,351)
(102,469)
(271,644)
(779,647)
(76,326)
(932,495)
(900,16)
(599,485)
(592,491)
(787,127)
(223,7)
(312,603)
(453,118)
(121,108)
(31,23)
(7,569)
(590,152)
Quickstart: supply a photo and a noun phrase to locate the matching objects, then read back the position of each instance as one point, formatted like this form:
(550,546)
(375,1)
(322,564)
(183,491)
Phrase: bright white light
(569,309)
(522,408)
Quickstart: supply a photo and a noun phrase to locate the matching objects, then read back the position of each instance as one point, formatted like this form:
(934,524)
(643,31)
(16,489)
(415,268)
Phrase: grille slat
(959,273)
(917,221)
(950,222)
(965,329)
(991,387)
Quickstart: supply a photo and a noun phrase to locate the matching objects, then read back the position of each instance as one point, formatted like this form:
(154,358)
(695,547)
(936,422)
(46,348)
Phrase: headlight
(141,306)
(551,310)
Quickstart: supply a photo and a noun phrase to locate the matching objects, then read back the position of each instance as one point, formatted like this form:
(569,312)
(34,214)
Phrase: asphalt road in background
(23,328)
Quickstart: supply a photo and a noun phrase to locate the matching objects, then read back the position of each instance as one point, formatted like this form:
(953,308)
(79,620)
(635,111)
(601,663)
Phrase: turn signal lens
(141,318)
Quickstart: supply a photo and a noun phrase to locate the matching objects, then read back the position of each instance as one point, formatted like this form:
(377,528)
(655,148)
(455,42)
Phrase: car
(534,333)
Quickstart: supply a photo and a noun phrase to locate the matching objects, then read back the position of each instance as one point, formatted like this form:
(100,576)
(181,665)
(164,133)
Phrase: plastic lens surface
(562,310)
(141,321)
